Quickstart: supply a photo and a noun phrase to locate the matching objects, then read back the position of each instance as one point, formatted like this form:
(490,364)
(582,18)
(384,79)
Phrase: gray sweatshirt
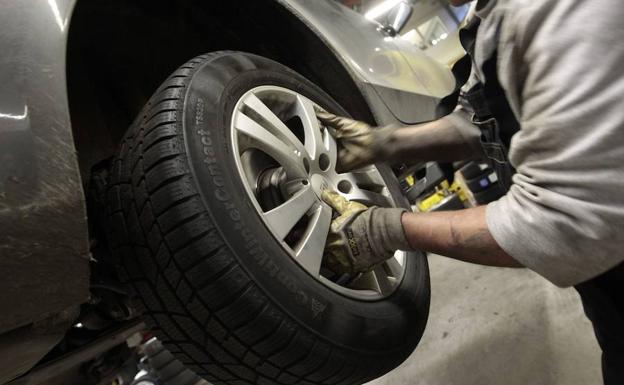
(561,64)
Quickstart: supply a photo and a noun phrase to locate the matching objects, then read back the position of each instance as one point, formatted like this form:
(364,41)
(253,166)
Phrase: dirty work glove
(358,143)
(361,238)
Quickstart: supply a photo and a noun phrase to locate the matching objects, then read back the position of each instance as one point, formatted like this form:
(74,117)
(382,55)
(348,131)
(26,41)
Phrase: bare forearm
(435,141)
(461,235)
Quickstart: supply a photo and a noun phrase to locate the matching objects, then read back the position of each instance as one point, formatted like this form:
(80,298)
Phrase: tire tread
(198,300)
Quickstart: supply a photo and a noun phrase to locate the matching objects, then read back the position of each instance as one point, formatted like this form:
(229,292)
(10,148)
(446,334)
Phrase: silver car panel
(44,248)
(389,64)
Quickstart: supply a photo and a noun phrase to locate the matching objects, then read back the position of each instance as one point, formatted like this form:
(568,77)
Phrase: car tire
(165,369)
(219,292)
(145,380)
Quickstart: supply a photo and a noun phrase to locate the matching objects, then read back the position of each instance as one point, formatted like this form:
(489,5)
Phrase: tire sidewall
(394,324)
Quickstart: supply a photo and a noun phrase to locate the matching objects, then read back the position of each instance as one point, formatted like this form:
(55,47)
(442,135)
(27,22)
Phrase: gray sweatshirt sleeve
(562,62)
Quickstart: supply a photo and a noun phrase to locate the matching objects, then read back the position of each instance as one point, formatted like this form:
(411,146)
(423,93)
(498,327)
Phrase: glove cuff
(383,138)
(385,229)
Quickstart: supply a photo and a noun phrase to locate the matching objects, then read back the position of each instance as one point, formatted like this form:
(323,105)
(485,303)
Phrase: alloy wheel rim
(285,159)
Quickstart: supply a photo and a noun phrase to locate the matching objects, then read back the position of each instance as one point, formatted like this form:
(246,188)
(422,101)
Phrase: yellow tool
(443,190)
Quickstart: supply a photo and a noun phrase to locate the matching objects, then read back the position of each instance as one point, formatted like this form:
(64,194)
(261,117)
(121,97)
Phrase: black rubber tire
(145,380)
(166,368)
(219,292)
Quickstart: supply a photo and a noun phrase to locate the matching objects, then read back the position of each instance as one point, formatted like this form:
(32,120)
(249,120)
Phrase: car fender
(409,82)
(44,246)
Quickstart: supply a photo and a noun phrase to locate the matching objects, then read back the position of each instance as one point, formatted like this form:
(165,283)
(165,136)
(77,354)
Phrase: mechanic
(547,73)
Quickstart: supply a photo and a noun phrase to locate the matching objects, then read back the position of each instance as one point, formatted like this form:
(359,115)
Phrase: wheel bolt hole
(345,187)
(324,162)
(306,165)
(305,182)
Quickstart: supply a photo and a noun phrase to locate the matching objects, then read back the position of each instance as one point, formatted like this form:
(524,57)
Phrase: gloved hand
(359,143)
(361,238)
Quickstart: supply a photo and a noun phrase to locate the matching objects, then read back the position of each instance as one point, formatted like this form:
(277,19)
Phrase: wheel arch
(119,52)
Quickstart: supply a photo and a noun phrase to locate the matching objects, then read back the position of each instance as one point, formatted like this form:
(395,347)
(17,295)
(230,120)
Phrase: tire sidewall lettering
(219,192)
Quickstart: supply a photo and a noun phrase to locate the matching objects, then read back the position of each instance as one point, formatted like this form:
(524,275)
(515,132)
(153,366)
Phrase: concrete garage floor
(492,326)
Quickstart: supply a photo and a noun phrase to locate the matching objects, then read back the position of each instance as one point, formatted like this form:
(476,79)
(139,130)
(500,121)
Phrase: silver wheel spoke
(367,177)
(369,198)
(265,141)
(384,283)
(283,218)
(394,267)
(275,125)
(312,247)
(314,144)
(333,149)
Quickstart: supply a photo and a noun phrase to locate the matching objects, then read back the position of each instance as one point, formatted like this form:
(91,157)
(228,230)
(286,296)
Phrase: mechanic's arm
(449,139)
(462,235)
(442,140)
(361,238)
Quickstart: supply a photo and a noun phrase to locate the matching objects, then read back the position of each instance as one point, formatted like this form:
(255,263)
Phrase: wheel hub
(269,186)
(319,184)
